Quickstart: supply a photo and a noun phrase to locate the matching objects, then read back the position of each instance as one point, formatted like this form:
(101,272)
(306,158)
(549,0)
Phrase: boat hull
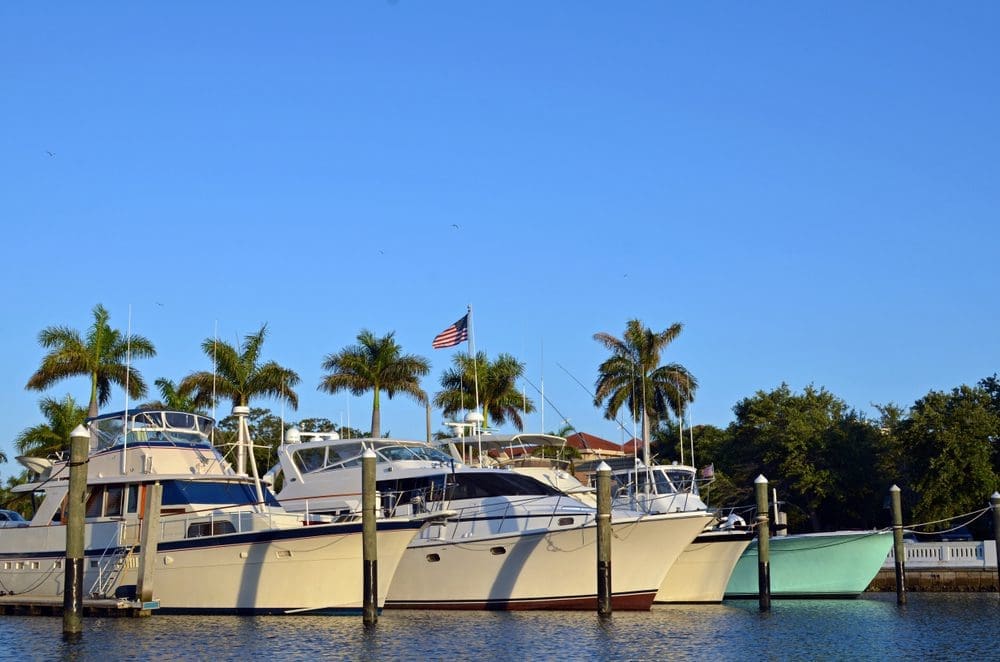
(702,571)
(821,565)
(275,571)
(544,569)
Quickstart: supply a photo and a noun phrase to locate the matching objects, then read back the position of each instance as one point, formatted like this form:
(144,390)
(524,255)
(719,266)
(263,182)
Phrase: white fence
(976,554)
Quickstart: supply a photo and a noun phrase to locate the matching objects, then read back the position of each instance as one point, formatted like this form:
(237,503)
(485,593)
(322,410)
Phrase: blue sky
(810,189)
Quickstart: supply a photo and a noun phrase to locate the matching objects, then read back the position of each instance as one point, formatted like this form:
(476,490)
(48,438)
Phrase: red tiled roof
(632,445)
(584,441)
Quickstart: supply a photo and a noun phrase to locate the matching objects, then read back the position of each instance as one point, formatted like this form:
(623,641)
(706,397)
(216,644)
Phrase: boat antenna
(691,433)
(128,369)
(544,398)
(215,370)
(680,431)
(541,408)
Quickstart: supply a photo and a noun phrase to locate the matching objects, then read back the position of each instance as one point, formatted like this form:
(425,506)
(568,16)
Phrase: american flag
(455,334)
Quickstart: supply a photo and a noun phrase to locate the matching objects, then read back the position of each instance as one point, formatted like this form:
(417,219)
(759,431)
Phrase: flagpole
(471,343)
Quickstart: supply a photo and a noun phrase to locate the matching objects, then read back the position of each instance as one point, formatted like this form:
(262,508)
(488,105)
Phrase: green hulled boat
(814,565)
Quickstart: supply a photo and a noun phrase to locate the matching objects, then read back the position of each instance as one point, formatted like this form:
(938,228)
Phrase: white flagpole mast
(471,342)
(128,369)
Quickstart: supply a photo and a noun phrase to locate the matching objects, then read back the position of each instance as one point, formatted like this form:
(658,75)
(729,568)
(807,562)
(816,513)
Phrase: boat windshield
(683,480)
(172,427)
(653,481)
(403,453)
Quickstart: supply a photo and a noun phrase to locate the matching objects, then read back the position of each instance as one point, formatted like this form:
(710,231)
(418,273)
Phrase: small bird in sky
(454,225)
(50,153)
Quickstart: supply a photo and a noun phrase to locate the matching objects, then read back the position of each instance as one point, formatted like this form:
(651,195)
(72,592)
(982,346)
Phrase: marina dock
(31,606)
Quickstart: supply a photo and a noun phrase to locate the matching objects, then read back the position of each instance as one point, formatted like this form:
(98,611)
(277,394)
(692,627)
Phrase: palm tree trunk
(376,416)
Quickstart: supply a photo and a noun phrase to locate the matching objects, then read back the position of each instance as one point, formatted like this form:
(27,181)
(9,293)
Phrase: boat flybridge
(223,543)
(511,541)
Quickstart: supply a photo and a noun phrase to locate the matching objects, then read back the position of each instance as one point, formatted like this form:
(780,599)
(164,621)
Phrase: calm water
(956,625)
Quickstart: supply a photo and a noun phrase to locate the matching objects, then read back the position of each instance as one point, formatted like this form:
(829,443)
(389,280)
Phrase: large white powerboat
(223,543)
(513,542)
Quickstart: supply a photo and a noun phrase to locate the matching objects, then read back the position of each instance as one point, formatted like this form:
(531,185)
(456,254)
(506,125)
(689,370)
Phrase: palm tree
(239,375)
(103,356)
(632,376)
(375,364)
(53,436)
(497,388)
(176,399)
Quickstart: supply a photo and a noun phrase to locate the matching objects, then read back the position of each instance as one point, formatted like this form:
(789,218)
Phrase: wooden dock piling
(763,545)
(898,549)
(995,506)
(369,540)
(603,539)
(73,585)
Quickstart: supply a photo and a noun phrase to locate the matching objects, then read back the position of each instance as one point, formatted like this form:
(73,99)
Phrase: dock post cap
(760,479)
(894,488)
(368,453)
(995,496)
(603,466)
(79,431)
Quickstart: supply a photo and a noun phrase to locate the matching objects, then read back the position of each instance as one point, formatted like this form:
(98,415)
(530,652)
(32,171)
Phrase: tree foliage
(52,436)
(495,382)
(240,374)
(632,376)
(376,364)
(103,354)
(950,445)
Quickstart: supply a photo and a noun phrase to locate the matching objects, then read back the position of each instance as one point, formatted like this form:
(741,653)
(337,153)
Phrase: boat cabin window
(112,500)
(213,528)
(445,487)
(183,493)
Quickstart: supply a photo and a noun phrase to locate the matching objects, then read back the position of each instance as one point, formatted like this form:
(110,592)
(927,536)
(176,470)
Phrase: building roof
(588,442)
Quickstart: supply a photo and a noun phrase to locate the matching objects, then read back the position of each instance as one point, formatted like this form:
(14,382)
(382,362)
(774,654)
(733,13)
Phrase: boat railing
(955,554)
(499,513)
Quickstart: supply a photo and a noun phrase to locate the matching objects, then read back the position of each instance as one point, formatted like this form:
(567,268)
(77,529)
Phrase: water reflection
(958,625)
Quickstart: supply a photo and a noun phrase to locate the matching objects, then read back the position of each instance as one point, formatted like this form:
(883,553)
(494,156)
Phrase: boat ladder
(110,567)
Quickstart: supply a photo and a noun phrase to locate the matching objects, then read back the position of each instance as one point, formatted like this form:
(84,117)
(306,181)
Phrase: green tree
(176,399)
(495,382)
(53,436)
(633,377)
(104,355)
(785,437)
(375,364)
(949,443)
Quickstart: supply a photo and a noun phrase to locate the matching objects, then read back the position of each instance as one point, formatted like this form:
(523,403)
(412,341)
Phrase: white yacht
(223,544)
(513,542)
